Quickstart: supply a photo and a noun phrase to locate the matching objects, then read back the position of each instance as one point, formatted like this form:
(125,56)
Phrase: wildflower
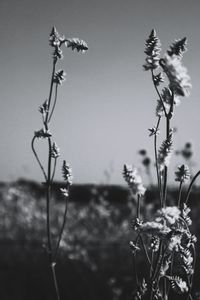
(54,38)
(141,290)
(153,131)
(42,133)
(152,51)
(186,260)
(178,285)
(65,192)
(182,174)
(170,214)
(146,161)
(133,179)
(77,44)
(184,213)
(134,247)
(59,77)
(187,152)
(155,243)
(157,79)
(154,228)
(136,223)
(142,152)
(177,75)
(43,109)
(188,145)
(175,242)
(67,173)
(178,48)
(55,151)
(57,54)
(165,152)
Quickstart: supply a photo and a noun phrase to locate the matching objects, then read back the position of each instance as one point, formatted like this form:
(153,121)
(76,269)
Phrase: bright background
(107,102)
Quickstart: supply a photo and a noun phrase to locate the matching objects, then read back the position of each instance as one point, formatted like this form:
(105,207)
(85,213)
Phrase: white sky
(107,102)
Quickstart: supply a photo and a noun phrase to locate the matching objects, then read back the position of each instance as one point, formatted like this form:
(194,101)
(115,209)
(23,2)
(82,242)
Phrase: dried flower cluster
(166,240)
(56,41)
(134,180)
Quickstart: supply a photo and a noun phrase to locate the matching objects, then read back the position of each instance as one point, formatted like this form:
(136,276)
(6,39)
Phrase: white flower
(177,75)
(175,242)
(154,228)
(170,214)
(134,180)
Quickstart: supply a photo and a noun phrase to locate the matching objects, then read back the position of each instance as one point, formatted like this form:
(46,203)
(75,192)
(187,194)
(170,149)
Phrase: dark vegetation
(95,260)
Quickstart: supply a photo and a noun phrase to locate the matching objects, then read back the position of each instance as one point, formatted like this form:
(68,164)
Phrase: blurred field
(95,261)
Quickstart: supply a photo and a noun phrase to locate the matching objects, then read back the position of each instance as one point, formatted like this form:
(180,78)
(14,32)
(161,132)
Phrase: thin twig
(53,264)
(61,231)
(156,161)
(54,104)
(37,158)
(191,185)
(54,170)
(179,194)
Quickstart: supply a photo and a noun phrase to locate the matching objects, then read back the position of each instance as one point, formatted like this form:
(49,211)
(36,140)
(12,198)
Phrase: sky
(107,102)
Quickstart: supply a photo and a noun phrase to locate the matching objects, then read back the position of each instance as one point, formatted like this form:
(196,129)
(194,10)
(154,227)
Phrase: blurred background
(104,110)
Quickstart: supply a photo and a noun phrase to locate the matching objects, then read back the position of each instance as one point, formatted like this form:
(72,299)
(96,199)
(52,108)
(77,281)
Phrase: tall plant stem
(61,231)
(48,188)
(156,161)
(134,262)
(37,158)
(138,206)
(55,280)
(50,92)
(166,169)
(179,194)
(54,104)
(190,186)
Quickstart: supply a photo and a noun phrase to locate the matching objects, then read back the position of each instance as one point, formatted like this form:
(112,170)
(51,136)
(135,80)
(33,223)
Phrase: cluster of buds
(134,181)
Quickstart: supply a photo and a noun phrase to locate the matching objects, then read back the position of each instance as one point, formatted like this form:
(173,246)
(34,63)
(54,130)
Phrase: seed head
(67,173)
(133,179)
(152,51)
(59,77)
(165,152)
(182,174)
(76,44)
(55,151)
(178,47)
(177,75)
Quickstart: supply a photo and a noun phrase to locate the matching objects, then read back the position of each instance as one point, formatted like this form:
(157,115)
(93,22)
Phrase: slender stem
(135,269)
(37,158)
(54,169)
(54,104)
(145,250)
(166,169)
(191,185)
(152,259)
(161,258)
(55,280)
(179,194)
(156,161)
(138,206)
(165,289)
(48,191)
(61,231)
(50,92)
(194,263)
